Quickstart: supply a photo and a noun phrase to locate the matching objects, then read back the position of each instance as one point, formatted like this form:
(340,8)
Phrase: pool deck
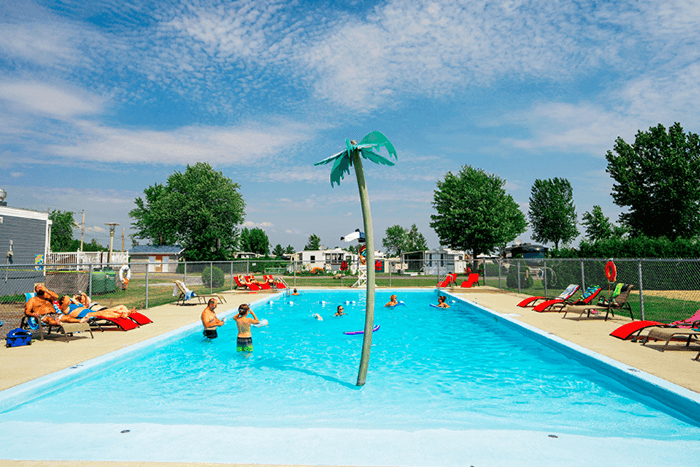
(23,364)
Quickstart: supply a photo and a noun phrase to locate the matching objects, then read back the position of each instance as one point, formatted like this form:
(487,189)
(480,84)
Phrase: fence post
(544,279)
(231,275)
(295,272)
(518,276)
(499,264)
(389,266)
(184,281)
(247,267)
(89,291)
(211,276)
(641,290)
(146,286)
(583,277)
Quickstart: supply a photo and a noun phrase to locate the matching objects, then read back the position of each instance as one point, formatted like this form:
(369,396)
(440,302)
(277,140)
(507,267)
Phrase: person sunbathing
(82,299)
(43,303)
(79,311)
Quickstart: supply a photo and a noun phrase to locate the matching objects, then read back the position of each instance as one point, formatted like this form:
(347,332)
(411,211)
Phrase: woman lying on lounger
(79,311)
(85,301)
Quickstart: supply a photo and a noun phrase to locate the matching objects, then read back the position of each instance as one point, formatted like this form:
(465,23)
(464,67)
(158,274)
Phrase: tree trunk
(369,244)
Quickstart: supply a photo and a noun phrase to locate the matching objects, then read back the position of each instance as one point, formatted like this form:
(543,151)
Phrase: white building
(328,259)
(435,262)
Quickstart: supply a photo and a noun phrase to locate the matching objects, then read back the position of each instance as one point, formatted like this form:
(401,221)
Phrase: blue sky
(100,99)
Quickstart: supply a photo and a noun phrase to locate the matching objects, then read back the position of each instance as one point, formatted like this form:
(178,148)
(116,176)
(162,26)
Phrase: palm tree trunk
(369,243)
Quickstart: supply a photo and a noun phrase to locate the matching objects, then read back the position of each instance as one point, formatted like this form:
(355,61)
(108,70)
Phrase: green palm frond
(372,142)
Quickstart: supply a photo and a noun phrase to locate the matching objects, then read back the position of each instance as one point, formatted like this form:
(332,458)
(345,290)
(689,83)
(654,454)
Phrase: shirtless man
(295,292)
(42,304)
(392,301)
(245,339)
(209,319)
(441,302)
(42,307)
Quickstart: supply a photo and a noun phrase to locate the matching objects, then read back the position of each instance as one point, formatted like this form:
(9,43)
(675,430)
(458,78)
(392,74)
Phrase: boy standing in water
(245,339)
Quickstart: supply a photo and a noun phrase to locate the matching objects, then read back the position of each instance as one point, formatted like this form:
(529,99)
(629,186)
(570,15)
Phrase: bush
(526,280)
(492,270)
(213,279)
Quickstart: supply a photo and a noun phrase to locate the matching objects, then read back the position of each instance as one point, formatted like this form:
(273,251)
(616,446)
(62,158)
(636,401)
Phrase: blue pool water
(456,369)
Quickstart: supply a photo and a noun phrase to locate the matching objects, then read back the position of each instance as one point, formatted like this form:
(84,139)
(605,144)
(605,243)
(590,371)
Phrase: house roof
(156,249)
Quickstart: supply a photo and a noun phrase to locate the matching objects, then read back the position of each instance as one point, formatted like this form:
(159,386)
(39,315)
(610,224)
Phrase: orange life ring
(363,254)
(610,271)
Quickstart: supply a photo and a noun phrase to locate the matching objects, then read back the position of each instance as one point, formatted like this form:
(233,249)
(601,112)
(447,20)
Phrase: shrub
(214,279)
(526,280)
(317,270)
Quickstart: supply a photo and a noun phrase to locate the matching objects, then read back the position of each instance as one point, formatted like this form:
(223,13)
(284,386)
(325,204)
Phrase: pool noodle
(353,333)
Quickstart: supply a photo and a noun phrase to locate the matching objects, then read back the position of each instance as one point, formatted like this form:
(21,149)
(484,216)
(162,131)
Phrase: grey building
(24,242)
(158,258)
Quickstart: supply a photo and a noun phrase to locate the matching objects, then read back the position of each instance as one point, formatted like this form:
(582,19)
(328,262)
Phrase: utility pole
(123,235)
(82,231)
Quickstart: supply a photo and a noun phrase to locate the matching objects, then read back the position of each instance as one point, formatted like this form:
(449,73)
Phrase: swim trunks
(244,344)
(210,333)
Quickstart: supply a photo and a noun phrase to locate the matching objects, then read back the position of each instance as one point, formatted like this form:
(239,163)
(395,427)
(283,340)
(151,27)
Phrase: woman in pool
(340,311)
(441,302)
(392,301)
(295,292)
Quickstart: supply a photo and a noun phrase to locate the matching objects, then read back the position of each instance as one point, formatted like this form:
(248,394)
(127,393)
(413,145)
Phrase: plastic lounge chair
(669,334)
(239,284)
(139,318)
(67,329)
(557,304)
(634,329)
(565,295)
(618,301)
(449,279)
(124,324)
(472,279)
(186,294)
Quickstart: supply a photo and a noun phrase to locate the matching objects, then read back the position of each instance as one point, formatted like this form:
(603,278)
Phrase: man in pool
(295,292)
(210,320)
(340,311)
(441,302)
(245,339)
(392,301)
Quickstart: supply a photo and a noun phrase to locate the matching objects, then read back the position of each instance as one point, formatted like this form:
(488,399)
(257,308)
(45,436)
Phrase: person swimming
(392,301)
(340,311)
(441,302)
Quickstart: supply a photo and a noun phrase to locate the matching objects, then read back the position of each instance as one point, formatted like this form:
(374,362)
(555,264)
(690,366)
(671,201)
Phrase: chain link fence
(664,290)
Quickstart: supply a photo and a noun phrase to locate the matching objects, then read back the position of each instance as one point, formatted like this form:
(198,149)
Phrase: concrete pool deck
(27,363)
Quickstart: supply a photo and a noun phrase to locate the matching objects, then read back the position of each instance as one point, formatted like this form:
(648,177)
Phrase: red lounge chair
(556,305)
(471,280)
(635,328)
(124,324)
(139,318)
(565,295)
(449,279)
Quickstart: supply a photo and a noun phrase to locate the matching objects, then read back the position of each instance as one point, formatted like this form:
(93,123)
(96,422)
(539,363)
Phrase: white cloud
(48,100)
(258,225)
(16,174)
(47,45)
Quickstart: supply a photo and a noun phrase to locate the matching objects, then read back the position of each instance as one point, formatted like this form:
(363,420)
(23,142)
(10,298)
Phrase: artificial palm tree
(348,157)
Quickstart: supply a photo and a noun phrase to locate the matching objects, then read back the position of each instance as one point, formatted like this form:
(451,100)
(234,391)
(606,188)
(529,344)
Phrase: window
(313,258)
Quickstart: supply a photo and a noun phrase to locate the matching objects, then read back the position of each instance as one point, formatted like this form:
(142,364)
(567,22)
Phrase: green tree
(657,180)
(415,241)
(598,226)
(314,243)
(200,209)
(278,251)
(474,212)
(62,230)
(254,240)
(394,240)
(552,211)
(290,250)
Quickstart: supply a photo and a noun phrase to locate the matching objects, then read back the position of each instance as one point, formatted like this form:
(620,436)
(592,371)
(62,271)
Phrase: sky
(101,99)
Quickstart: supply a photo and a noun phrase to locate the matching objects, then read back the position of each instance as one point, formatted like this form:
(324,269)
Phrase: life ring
(378,265)
(125,274)
(363,254)
(610,271)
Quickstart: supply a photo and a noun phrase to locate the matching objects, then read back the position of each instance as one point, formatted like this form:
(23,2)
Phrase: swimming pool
(434,374)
